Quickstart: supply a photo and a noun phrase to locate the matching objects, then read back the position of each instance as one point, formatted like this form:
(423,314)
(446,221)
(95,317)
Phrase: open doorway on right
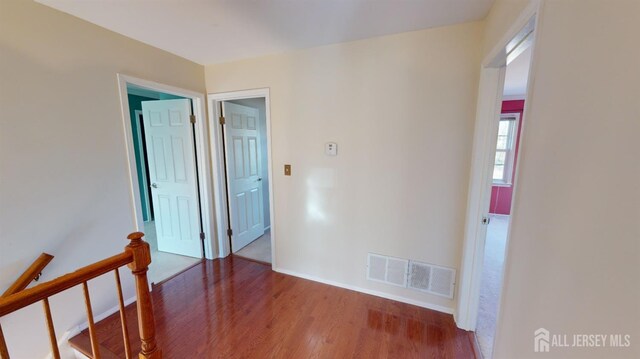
(507,146)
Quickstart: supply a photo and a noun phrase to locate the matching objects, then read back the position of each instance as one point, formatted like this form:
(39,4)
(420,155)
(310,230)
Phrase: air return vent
(388,270)
(432,279)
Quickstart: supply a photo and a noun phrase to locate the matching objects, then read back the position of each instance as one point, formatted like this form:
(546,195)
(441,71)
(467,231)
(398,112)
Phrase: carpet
(491,282)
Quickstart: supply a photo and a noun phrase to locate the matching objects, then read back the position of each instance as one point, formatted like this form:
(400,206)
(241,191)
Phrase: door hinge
(222,120)
(202,236)
(193,118)
(229,232)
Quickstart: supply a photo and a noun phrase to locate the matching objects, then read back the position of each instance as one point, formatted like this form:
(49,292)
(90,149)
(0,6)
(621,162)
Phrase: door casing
(488,110)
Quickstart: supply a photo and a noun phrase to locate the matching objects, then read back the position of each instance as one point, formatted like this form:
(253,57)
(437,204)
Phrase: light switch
(287,170)
(331,149)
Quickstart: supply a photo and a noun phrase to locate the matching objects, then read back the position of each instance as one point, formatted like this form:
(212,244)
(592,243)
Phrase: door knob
(259,179)
(154,185)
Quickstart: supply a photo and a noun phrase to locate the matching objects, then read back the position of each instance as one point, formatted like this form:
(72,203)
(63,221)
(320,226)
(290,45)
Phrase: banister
(32,295)
(137,256)
(29,274)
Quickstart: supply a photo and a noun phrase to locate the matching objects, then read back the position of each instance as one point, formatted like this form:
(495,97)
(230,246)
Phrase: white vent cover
(388,270)
(432,279)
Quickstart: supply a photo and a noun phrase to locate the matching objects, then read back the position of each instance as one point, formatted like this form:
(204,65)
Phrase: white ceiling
(515,80)
(214,31)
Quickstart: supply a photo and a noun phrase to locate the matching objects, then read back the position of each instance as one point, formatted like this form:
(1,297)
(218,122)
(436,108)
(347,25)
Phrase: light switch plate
(331,149)
(287,170)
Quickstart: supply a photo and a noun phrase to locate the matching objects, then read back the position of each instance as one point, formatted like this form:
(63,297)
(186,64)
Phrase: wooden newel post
(146,323)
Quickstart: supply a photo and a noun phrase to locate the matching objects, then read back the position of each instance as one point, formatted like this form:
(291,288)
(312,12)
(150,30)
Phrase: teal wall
(135,103)
(166,96)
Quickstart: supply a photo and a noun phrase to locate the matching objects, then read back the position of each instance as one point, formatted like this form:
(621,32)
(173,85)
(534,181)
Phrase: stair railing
(137,257)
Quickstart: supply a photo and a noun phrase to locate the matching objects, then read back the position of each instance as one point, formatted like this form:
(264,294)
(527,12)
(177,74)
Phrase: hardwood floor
(236,308)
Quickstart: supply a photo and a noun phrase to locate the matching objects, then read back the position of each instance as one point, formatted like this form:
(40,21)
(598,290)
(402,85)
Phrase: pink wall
(501,195)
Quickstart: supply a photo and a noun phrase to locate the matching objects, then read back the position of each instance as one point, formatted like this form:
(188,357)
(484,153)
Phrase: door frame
(219,170)
(488,110)
(202,154)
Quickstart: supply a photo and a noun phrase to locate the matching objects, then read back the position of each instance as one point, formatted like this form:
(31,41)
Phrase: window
(505,148)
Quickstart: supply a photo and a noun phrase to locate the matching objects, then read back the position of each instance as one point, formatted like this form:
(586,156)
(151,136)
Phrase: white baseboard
(419,303)
(78,355)
(63,346)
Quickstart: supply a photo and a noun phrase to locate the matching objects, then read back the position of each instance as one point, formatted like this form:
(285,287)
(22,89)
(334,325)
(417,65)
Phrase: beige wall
(62,159)
(573,258)
(401,109)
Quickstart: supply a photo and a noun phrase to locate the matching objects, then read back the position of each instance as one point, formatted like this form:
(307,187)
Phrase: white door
(172,174)
(242,142)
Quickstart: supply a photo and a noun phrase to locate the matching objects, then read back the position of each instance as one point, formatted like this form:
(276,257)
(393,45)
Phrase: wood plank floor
(236,308)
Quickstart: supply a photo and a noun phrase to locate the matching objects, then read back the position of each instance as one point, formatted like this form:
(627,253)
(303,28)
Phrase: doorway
(166,176)
(500,122)
(242,155)
(506,151)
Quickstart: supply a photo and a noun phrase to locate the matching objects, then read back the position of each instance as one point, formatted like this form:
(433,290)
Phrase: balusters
(92,328)
(4,352)
(123,317)
(52,332)
(137,256)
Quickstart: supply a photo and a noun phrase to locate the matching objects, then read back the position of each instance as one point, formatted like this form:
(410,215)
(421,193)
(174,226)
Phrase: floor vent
(432,279)
(424,277)
(388,270)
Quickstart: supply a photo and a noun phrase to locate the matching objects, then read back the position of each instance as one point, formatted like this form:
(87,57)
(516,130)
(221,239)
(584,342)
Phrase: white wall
(401,109)
(64,172)
(259,104)
(573,257)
